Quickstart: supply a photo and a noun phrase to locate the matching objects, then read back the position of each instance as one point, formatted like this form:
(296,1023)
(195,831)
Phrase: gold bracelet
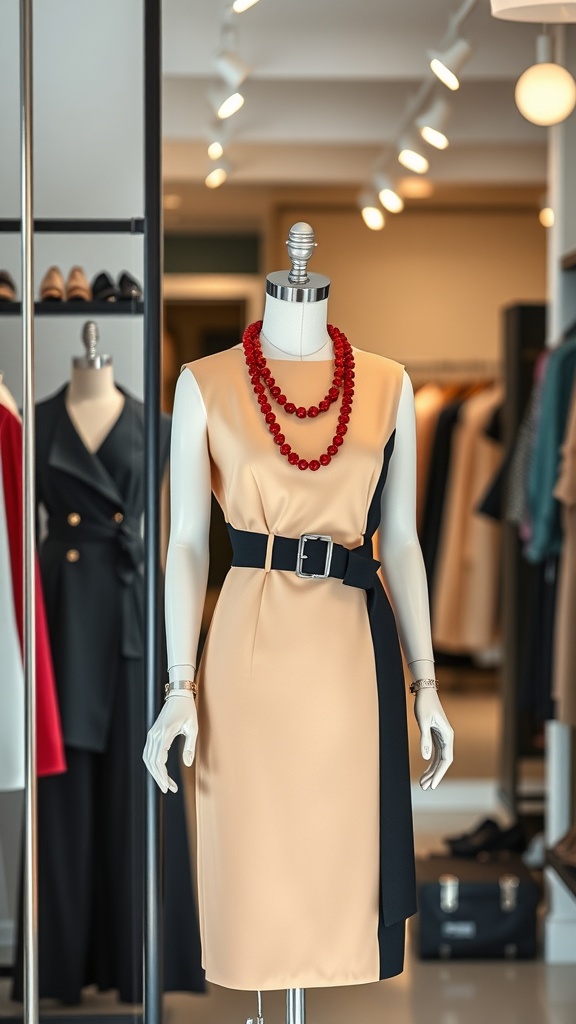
(423,684)
(181,684)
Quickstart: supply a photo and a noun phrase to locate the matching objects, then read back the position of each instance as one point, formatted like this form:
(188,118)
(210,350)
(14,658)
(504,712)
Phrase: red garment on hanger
(49,745)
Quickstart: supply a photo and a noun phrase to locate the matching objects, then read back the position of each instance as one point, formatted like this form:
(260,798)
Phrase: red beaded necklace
(266,389)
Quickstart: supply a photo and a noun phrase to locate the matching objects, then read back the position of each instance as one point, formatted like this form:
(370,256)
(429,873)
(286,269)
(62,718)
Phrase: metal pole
(28,568)
(153,944)
(295,1006)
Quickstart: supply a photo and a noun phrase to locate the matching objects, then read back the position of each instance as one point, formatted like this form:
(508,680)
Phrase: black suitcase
(470,909)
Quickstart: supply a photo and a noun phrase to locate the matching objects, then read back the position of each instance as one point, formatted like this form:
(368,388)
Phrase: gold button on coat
(72,555)
(118,517)
(74,518)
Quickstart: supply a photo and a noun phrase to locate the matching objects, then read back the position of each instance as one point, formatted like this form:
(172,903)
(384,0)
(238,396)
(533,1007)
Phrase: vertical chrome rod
(295,1006)
(28,568)
(153,923)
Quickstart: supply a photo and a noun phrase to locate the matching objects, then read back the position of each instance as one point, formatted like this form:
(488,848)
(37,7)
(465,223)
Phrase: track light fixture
(410,155)
(217,139)
(447,64)
(387,194)
(239,6)
(218,174)
(226,101)
(371,212)
(231,68)
(546,93)
(432,123)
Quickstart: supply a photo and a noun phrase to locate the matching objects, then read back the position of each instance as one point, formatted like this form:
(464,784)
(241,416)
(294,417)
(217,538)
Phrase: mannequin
(93,401)
(294,328)
(90,482)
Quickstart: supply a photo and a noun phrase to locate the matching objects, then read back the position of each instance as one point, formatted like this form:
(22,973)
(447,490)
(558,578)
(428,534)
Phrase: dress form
(294,328)
(93,401)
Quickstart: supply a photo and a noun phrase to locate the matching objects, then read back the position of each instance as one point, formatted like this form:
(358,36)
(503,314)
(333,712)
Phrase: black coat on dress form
(91,821)
(92,559)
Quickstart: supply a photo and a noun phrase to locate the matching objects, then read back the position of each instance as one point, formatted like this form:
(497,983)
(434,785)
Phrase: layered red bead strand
(267,390)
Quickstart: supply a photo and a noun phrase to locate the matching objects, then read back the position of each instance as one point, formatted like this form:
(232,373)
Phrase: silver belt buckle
(301,556)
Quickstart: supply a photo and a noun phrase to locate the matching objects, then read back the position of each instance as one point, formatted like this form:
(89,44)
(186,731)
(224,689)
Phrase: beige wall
(432,284)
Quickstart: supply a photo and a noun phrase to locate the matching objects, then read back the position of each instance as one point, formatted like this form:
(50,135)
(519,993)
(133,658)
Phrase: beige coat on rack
(465,599)
(564,685)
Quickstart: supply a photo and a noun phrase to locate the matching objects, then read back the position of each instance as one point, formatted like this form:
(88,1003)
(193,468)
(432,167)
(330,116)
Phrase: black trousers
(91,872)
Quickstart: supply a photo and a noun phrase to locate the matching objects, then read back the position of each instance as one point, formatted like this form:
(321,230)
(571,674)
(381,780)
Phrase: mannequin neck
(295,330)
(94,404)
(90,385)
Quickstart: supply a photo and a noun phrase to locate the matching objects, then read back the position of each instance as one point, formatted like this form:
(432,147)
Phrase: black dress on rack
(91,819)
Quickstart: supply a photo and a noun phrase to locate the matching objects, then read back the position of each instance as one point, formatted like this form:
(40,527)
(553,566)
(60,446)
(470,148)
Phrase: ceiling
(330,84)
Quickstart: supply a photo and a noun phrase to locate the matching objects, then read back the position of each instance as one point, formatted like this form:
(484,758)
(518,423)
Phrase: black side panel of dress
(397,872)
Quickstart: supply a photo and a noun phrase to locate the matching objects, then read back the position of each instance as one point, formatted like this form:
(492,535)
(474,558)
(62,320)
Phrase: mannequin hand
(436,734)
(177,717)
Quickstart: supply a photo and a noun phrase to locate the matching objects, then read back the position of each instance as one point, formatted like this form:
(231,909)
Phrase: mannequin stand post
(295,1006)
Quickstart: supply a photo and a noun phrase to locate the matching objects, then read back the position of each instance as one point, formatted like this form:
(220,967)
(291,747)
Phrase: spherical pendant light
(546,93)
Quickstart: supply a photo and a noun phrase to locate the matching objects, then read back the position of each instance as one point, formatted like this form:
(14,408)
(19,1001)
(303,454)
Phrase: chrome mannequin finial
(90,339)
(300,244)
(297,285)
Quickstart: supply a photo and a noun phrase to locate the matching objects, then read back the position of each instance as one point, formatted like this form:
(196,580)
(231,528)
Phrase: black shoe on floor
(483,832)
(488,837)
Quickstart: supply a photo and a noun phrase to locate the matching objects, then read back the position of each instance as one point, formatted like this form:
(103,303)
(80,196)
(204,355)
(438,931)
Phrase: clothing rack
(449,369)
(524,330)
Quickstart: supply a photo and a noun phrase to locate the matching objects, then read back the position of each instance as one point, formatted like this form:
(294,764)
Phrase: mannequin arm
(405,575)
(186,574)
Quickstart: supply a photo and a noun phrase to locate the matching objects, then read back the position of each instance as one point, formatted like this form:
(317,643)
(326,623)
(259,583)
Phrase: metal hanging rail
(28,568)
(153,943)
(72,226)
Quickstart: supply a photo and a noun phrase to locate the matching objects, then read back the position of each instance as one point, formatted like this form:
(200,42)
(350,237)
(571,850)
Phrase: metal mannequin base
(295,1006)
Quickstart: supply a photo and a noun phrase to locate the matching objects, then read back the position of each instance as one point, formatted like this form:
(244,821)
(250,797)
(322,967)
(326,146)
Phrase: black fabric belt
(311,556)
(125,534)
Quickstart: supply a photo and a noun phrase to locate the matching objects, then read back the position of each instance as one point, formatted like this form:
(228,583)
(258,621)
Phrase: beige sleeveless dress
(289,752)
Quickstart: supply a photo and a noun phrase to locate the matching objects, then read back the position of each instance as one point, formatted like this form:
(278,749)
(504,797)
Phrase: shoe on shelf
(52,287)
(77,287)
(128,287)
(7,287)
(103,288)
